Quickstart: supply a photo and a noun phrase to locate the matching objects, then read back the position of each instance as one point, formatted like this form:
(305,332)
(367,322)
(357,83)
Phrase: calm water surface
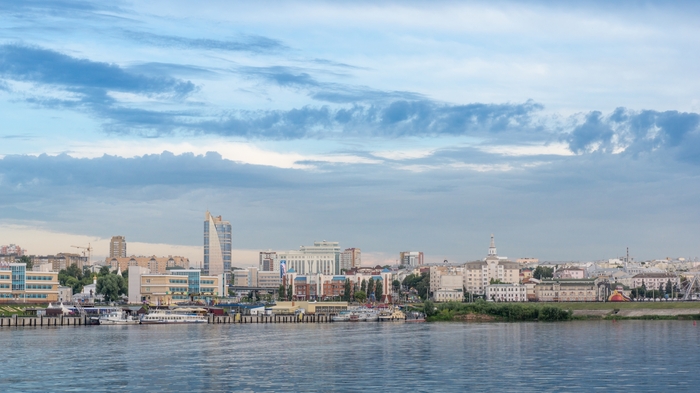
(659,356)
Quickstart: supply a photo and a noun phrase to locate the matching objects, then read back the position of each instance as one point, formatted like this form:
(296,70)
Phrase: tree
(282,292)
(379,291)
(370,288)
(360,296)
(74,283)
(363,286)
(111,286)
(104,270)
(396,285)
(429,308)
(27,261)
(290,294)
(496,281)
(347,290)
(669,286)
(542,272)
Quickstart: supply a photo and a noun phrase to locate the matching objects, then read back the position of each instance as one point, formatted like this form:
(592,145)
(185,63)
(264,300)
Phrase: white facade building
(321,258)
(478,275)
(506,292)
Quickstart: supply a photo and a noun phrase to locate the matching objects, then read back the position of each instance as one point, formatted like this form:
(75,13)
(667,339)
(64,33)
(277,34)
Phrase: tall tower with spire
(492,247)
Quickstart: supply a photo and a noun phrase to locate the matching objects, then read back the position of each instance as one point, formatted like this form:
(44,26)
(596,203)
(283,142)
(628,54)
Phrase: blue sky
(569,130)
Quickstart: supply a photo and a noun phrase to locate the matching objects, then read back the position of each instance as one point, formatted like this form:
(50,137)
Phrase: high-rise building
(217,245)
(411,258)
(350,258)
(117,247)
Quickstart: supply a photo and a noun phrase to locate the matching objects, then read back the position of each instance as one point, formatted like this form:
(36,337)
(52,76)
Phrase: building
(12,249)
(655,280)
(448,295)
(59,261)
(328,287)
(176,286)
(567,290)
(506,292)
(65,294)
(350,258)
(269,262)
(528,261)
(446,281)
(157,265)
(479,274)
(570,272)
(253,278)
(117,247)
(17,285)
(321,258)
(411,258)
(217,245)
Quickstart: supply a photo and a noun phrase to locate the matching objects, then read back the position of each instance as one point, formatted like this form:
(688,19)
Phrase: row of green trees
(505,311)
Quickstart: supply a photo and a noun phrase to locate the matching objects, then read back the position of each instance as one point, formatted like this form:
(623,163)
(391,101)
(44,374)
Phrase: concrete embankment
(212,319)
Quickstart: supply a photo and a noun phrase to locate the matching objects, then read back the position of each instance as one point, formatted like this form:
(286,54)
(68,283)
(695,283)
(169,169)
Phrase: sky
(568,130)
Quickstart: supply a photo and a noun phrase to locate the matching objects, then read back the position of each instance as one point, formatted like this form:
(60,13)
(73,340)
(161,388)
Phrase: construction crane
(89,251)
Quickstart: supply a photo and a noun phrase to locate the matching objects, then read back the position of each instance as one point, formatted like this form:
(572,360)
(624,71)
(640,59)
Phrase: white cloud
(557,149)
(403,154)
(242,152)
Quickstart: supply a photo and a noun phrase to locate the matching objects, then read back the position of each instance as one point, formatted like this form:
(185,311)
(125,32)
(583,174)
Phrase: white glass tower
(217,245)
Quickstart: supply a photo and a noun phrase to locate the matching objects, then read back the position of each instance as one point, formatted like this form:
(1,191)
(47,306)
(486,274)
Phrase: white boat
(118,318)
(361,314)
(171,316)
(343,316)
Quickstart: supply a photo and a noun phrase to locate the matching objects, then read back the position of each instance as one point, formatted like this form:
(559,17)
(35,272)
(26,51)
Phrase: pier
(65,320)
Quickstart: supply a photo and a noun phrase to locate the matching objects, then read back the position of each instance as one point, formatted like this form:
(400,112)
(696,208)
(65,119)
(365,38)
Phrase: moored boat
(171,316)
(392,315)
(118,318)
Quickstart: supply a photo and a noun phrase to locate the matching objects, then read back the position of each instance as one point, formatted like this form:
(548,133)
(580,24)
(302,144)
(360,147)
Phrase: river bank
(482,311)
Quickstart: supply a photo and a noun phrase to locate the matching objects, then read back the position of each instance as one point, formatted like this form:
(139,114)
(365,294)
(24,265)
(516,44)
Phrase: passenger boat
(118,318)
(361,314)
(171,316)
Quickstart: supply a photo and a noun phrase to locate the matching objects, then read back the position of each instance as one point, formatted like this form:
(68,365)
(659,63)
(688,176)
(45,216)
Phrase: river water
(659,356)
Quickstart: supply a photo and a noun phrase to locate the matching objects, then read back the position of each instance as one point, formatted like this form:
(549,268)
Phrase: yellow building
(567,290)
(282,308)
(17,285)
(178,286)
(154,264)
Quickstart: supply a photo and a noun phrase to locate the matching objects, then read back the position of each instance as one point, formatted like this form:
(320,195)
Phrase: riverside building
(18,285)
(217,245)
(174,287)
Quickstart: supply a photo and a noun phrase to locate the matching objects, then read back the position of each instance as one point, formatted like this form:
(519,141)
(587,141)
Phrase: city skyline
(570,131)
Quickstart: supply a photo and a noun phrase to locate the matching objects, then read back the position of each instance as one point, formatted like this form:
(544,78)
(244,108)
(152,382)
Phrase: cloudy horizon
(570,131)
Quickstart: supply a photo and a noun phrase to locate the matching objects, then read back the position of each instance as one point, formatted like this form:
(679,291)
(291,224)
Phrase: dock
(65,320)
